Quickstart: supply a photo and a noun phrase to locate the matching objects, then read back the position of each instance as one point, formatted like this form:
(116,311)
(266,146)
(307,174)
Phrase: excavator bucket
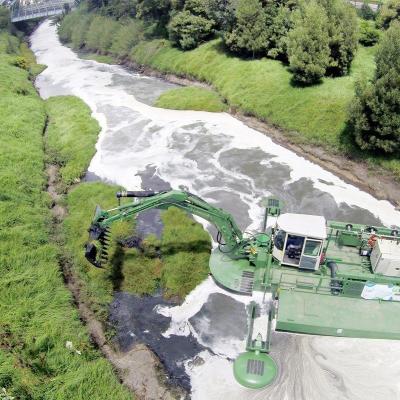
(96,250)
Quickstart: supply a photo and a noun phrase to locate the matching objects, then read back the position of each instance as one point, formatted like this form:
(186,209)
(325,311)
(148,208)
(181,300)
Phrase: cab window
(279,239)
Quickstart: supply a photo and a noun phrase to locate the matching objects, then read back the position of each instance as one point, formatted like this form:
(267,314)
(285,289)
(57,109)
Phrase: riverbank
(376,180)
(69,139)
(45,351)
(69,142)
(310,121)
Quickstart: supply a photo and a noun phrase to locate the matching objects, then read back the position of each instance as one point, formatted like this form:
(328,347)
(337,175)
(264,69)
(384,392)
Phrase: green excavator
(307,274)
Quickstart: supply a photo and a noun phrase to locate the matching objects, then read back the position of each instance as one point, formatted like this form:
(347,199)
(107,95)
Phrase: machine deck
(318,314)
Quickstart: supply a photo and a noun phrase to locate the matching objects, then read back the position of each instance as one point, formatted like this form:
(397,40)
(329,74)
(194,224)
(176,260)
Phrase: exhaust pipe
(143,193)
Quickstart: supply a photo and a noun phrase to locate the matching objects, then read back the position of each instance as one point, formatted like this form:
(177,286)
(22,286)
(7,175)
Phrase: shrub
(126,37)
(389,12)
(365,12)
(187,30)
(110,26)
(121,8)
(369,35)
(278,26)
(21,62)
(248,36)
(308,43)
(343,36)
(94,33)
(375,112)
(4,18)
(79,31)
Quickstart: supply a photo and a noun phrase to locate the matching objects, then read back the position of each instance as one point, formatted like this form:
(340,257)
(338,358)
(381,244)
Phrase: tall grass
(100,34)
(71,136)
(184,247)
(191,98)
(37,316)
(315,115)
(99,284)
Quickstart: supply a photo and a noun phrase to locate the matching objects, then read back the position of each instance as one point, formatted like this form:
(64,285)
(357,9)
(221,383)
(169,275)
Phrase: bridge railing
(21,12)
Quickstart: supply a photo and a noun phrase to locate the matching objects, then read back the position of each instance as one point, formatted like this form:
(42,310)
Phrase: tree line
(315,38)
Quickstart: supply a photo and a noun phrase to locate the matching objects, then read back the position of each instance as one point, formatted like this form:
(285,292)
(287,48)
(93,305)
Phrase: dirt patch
(138,369)
(378,182)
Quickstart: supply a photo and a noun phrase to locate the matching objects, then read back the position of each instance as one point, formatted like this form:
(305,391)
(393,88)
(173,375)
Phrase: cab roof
(313,226)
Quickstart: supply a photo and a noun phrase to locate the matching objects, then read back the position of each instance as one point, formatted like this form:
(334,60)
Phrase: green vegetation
(99,284)
(191,26)
(369,35)
(365,12)
(314,115)
(191,98)
(248,34)
(308,44)
(37,316)
(375,113)
(263,88)
(71,137)
(4,18)
(389,12)
(185,249)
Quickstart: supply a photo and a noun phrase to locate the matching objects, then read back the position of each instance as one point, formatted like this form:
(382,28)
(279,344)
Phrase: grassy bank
(185,251)
(71,137)
(184,246)
(191,98)
(263,88)
(37,317)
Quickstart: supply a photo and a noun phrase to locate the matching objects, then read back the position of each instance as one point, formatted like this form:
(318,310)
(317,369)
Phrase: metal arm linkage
(223,221)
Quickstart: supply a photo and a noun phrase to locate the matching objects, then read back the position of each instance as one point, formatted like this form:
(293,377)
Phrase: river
(232,166)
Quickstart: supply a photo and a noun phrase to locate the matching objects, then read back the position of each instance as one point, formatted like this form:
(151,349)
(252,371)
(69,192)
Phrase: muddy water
(234,167)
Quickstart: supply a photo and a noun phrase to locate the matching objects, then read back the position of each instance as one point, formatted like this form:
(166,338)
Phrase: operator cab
(298,240)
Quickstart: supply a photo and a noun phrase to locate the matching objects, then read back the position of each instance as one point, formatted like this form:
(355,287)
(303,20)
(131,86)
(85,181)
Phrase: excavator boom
(99,234)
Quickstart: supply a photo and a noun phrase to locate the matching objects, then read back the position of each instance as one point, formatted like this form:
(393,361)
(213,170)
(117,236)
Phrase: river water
(232,166)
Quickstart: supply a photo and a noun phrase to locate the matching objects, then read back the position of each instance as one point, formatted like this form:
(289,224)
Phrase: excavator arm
(99,234)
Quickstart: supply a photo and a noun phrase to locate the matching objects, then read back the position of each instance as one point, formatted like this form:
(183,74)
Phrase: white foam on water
(134,136)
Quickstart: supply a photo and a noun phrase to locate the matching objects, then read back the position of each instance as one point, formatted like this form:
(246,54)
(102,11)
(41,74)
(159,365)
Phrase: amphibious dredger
(305,274)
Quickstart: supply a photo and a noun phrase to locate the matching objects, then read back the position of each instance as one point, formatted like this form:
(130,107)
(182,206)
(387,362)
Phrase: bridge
(23,10)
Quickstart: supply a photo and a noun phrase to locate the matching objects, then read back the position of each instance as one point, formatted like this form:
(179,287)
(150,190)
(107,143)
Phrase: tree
(343,35)
(389,12)
(308,43)
(153,10)
(248,35)
(128,35)
(156,13)
(365,12)
(279,23)
(187,30)
(369,35)
(222,12)
(4,18)
(121,8)
(375,111)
